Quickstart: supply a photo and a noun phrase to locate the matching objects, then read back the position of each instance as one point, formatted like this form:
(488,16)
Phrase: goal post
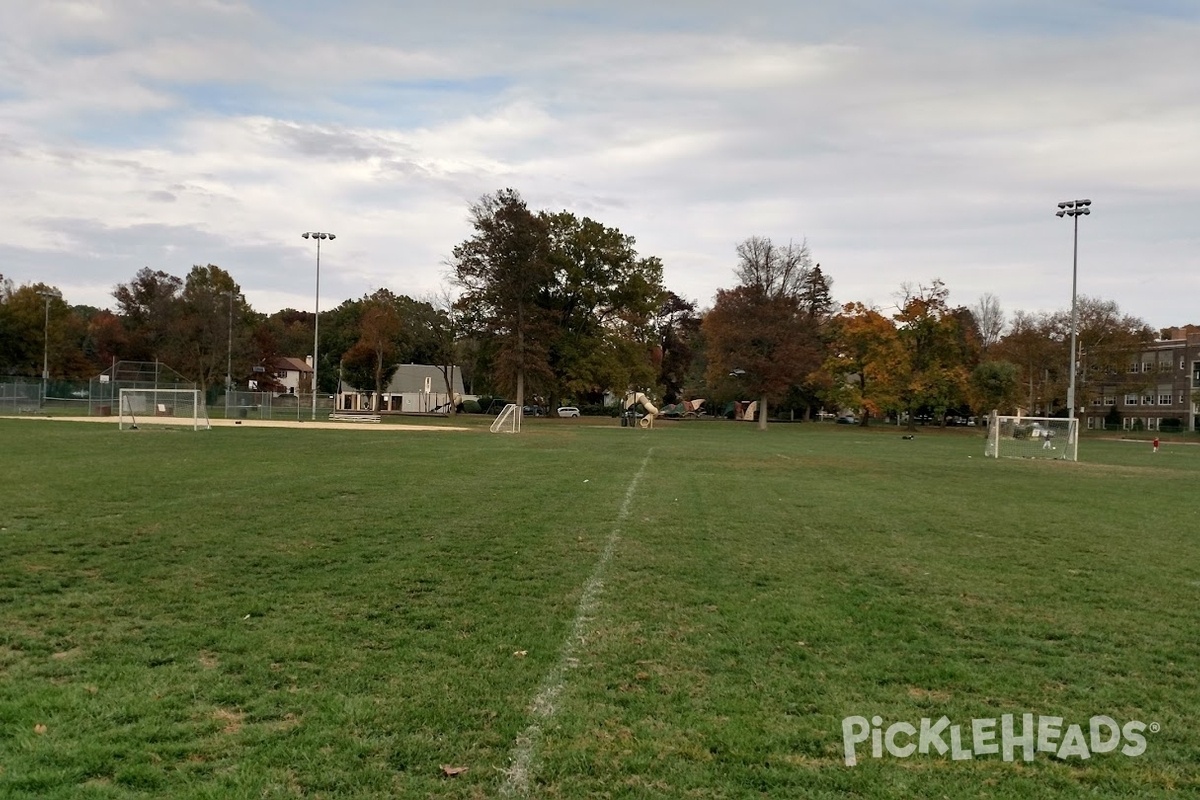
(162,407)
(1032,437)
(509,420)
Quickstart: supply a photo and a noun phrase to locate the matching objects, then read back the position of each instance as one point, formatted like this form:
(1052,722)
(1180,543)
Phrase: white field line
(545,702)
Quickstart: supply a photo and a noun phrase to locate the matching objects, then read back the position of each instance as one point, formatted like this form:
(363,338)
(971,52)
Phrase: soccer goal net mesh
(163,407)
(1033,437)
(509,420)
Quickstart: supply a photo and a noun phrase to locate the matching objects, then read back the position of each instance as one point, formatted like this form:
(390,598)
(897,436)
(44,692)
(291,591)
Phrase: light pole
(1074,209)
(316,311)
(229,351)
(48,295)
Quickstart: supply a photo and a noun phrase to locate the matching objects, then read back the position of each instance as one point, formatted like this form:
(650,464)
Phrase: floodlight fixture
(1074,209)
(318,235)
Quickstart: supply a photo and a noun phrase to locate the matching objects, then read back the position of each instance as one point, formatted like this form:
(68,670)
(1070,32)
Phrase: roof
(410,378)
(292,364)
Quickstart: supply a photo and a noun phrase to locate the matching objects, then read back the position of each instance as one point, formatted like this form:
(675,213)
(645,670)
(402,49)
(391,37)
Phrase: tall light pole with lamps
(1074,209)
(318,235)
(229,351)
(48,295)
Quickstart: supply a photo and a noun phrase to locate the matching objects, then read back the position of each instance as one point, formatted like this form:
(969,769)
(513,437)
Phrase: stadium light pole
(229,351)
(318,236)
(1074,209)
(47,295)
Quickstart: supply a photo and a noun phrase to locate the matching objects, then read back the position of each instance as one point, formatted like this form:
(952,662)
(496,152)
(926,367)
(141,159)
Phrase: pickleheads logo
(994,736)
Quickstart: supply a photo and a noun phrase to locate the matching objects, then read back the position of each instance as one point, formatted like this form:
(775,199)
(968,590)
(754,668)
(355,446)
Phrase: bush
(595,410)
(1171,425)
(471,407)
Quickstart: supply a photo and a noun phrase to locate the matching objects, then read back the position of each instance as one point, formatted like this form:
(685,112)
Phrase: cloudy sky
(904,140)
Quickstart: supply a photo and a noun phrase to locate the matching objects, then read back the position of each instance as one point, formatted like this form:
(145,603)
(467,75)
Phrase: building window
(1131,400)
(1096,401)
(1164,399)
(1148,400)
(1146,366)
(1133,367)
(1182,364)
(1110,401)
(1152,423)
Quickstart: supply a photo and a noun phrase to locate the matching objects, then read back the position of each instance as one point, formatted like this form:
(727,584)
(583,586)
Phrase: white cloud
(903,145)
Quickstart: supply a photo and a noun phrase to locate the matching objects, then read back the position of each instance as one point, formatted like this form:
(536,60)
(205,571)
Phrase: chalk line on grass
(545,702)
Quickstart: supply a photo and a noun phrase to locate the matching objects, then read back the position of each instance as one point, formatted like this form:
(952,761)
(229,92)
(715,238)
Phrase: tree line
(554,306)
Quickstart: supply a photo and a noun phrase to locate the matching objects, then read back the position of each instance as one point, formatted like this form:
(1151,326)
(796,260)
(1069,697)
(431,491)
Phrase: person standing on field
(1156,444)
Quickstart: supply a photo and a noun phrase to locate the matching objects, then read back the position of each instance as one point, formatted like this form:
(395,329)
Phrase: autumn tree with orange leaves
(866,362)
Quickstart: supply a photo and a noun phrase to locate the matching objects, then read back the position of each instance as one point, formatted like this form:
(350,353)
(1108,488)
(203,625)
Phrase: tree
(759,330)
(561,304)
(866,362)
(1031,344)
(209,301)
(937,350)
(816,299)
(372,359)
(773,270)
(150,308)
(501,270)
(678,329)
(601,301)
(444,327)
(989,319)
(995,385)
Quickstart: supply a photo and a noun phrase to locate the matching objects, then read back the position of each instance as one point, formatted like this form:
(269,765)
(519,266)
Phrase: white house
(283,375)
(414,388)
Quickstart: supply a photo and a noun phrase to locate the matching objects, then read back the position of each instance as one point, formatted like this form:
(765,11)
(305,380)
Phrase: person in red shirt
(1156,444)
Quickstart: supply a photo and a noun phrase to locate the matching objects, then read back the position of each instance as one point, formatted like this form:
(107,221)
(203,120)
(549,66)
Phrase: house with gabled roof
(283,375)
(413,389)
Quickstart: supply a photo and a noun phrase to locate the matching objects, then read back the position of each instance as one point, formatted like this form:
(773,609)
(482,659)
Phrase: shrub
(471,407)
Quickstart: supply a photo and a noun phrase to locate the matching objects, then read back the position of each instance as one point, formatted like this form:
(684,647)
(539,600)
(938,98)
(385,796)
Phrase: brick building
(1162,391)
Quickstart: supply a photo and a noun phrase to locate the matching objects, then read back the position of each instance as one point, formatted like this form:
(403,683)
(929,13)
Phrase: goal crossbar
(1032,437)
(162,407)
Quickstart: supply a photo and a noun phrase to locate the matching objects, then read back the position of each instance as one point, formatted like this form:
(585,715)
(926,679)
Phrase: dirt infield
(258,423)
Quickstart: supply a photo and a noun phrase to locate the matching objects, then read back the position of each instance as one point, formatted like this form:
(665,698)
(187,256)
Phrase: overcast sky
(904,140)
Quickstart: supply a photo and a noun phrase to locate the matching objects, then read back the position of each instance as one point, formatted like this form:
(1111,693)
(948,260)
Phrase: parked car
(847,419)
(568,411)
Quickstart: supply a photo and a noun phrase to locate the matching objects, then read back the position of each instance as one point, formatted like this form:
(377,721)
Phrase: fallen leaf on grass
(40,729)
(452,772)
(521,653)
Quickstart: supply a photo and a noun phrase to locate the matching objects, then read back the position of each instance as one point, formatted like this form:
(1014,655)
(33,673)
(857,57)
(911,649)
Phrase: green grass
(286,613)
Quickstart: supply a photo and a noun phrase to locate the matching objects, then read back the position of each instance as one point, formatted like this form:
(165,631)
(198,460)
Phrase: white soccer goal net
(1033,437)
(509,420)
(163,407)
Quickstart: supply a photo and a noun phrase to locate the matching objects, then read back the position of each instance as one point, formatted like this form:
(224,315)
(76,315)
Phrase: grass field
(583,611)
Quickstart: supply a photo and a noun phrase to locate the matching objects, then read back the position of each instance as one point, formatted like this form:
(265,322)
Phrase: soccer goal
(162,407)
(1033,437)
(509,420)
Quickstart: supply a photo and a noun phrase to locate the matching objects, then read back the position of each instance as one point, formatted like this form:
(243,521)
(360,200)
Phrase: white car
(568,411)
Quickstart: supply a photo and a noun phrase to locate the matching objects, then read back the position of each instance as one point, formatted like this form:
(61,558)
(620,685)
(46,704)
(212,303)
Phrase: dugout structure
(1032,437)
